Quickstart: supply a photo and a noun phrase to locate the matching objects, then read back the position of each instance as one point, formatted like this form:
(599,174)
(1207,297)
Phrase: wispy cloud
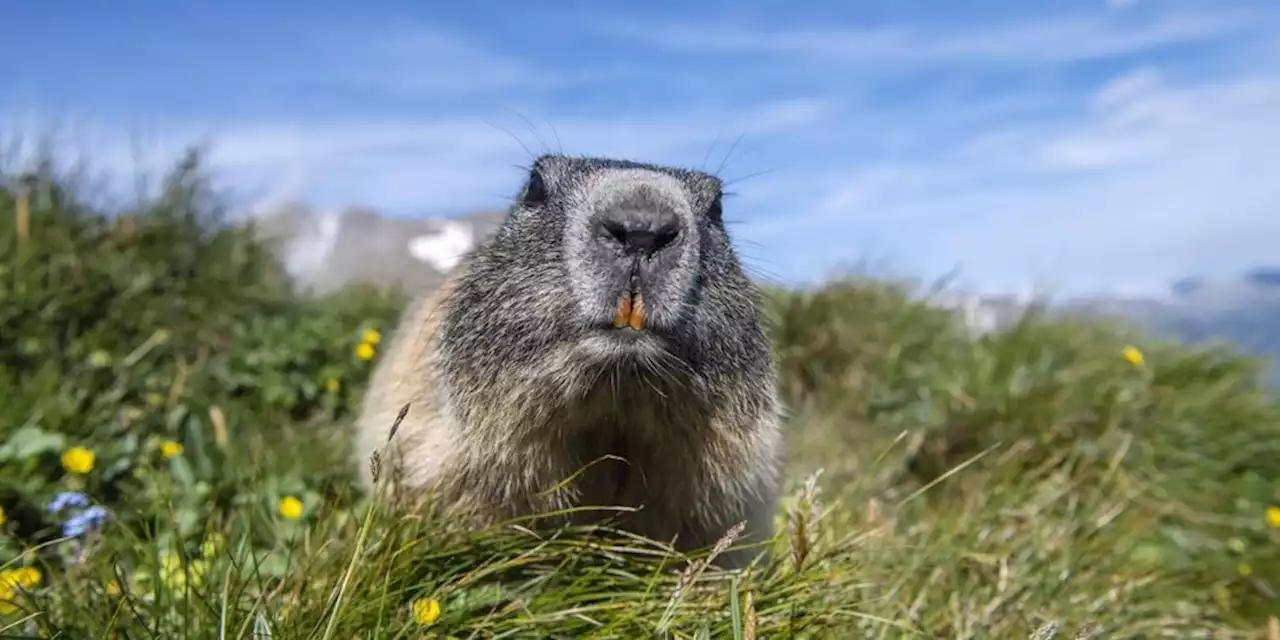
(1150,180)
(1045,40)
(422,60)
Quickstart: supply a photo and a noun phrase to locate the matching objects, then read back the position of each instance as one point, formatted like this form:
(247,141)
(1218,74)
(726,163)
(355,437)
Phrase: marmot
(608,324)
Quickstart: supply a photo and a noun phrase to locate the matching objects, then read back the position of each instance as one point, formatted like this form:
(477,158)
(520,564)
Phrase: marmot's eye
(535,191)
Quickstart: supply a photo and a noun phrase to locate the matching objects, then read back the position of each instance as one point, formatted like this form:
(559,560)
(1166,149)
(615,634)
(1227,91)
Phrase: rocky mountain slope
(327,249)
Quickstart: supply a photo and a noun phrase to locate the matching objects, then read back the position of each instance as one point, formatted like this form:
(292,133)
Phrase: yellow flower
(213,543)
(372,336)
(425,610)
(290,507)
(1244,568)
(1273,516)
(175,575)
(77,460)
(198,569)
(1236,545)
(99,359)
(2,517)
(11,580)
(1222,596)
(169,561)
(23,578)
(113,588)
(1134,356)
(333,385)
(364,351)
(171,448)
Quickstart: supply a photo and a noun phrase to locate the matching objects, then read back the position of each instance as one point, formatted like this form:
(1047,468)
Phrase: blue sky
(1082,146)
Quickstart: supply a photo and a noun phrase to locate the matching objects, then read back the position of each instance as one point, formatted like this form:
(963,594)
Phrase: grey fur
(516,380)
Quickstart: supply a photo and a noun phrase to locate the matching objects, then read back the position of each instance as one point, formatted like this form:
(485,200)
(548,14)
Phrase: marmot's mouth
(630,311)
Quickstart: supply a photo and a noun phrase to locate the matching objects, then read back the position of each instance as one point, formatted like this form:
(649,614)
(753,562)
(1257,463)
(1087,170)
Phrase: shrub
(163,324)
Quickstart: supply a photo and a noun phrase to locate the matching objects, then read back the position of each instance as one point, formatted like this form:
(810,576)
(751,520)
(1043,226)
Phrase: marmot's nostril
(615,230)
(640,231)
(665,236)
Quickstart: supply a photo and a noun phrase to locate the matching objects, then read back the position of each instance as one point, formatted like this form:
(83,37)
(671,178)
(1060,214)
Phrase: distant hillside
(325,250)
(1244,312)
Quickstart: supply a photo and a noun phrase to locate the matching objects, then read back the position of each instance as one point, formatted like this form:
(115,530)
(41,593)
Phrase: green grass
(1028,481)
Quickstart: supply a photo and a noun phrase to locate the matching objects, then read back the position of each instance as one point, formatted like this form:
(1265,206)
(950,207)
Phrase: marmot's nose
(645,231)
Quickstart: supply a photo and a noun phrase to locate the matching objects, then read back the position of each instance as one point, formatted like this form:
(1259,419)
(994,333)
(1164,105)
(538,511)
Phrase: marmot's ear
(542,180)
(534,193)
(707,193)
(716,210)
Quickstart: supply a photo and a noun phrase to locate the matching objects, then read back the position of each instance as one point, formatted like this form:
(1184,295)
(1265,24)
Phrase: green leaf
(29,442)
(181,471)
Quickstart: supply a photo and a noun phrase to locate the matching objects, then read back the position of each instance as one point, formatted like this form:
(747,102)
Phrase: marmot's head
(603,263)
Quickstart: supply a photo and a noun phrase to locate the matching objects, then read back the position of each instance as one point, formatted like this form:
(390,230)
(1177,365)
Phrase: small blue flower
(67,499)
(79,524)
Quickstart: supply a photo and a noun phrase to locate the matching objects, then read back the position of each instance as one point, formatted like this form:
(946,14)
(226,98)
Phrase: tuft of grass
(1040,481)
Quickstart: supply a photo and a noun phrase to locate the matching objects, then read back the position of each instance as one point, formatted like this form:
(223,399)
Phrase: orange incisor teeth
(637,313)
(623,317)
(630,312)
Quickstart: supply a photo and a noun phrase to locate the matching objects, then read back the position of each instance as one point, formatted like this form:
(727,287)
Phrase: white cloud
(1056,39)
(1154,181)
(424,60)
(1127,87)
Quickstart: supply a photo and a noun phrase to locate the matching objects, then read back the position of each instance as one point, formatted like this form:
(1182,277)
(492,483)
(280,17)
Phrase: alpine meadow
(176,462)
